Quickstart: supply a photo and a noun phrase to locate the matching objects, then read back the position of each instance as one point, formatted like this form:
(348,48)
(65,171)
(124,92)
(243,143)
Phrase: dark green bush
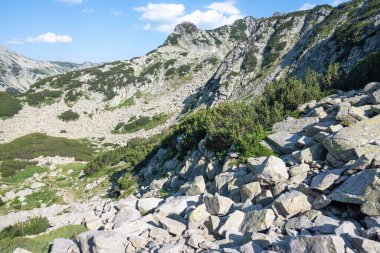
(10,167)
(143,122)
(37,144)
(68,116)
(9,105)
(16,204)
(42,97)
(33,226)
(184,69)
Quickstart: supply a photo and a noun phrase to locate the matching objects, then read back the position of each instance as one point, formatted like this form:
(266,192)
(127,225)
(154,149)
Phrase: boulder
(177,205)
(172,226)
(249,191)
(195,187)
(312,244)
(255,162)
(126,214)
(308,155)
(195,240)
(325,224)
(217,205)
(257,221)
(324,180)
(298,223)
(291,203)
(272,171)
(343,144)
(299,169)
(284,141)
(232,223)
(102,242)
(294,125)
(321,201)
(198,216)
(64,246)
(20,250)
(375,97)
(146,205)
(348,115)
(365,245)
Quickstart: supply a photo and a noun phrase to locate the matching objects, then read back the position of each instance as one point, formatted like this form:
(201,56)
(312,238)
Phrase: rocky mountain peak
(185,27)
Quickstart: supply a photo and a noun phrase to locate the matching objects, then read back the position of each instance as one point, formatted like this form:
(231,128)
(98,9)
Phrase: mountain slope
(195,68)
(18,72)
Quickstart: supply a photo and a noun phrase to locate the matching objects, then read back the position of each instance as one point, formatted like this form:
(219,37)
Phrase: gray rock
(312,244)
(325,225)
(371,87)
(102,242)
(195,240)
(250,247)
(305,142)
(255,162)
(308,155)
(233,223)
(372,222)
(257,221)
(177,205)
(198,216)
(125,215)
(294,125)
(146,205)
(265,198)
(325,179)
(348,115)
(365,245)
(375,97)
(291,203)
(207,245)
(158,233)
(217,205)
(172,226)
(272,171)
(298,223)
(195,187)
(342,145)
(299,169)
(250,191)
(284,141)
(321,201)
(20,250)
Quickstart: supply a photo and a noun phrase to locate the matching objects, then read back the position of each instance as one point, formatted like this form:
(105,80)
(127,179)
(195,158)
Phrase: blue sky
(108,30)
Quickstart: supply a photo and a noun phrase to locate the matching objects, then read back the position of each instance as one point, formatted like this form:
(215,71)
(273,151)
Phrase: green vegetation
(184,69)
(68,116)
(9,167)
(364,72)
(151,70)
(169,63)
(37,144)
(250,61)
(9,105)
(238,29)
(172,39)
(46,196)
(171,71)
(22,175)
(33,226)
(42,97)
(143,122)
(134,153)
(72,96)
(41,243)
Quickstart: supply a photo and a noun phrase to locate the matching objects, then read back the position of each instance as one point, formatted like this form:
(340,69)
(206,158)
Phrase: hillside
(196,68)
(18,73)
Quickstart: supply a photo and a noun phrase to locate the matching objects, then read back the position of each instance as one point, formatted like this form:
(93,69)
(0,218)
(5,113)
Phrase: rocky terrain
(18,72)
(321,195)
(194,69)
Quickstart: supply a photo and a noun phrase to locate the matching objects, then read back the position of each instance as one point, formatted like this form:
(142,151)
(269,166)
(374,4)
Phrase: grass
(22,175)
(33,226)
(45,196)
(9,167)
(9,105)
(37,144)
(125,104)
(41,243)
(143,122)
(68,116)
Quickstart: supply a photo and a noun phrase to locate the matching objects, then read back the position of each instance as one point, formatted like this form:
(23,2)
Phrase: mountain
(18,72)
(197,68)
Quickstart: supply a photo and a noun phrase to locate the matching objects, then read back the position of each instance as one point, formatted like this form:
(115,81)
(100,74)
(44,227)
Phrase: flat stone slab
(294,125)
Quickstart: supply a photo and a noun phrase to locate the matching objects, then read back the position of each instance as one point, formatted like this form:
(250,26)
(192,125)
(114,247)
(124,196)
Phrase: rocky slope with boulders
(320,194)
(195,68)
(18,73)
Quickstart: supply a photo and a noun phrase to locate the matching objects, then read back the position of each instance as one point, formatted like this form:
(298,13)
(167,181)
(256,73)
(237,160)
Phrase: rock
(257,221)
(102,242)
(255,162)
(291,203)
(207,245)
(94,223)
(343,144)
(136,227)
(348,115)
(308,155)
(284,141)
(298,223)
(299,169)
(125,215)
(64,246)
(158,233)
(217,205)
(325,179)
(265,198)
(146,205)
(334,128)
(272,171)
(371,87)
(250,247)
(196,187)
(372,222)
(250,191)
(321,201)
(198,216)
(195,240)
(138,241)
(375,97)
(172,226)
(294,125)
(365,245)
(325,225)
(313,244)
(305,142)
(20,250)
(177,205)
(232,223)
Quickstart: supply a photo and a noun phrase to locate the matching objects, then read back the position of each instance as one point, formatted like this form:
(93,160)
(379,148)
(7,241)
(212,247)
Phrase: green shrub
(184,69)
(33,226)
(16,204)
(9,105)
(37,144)
(10,167)
(1,202)
(143,122)
(250,62)
(68,116)
(42,97)
(170,71)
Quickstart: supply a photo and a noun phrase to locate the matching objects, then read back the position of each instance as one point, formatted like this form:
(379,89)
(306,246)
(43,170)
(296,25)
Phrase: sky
(110,30)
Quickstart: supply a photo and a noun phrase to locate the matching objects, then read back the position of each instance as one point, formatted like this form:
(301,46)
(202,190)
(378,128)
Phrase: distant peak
(185,27)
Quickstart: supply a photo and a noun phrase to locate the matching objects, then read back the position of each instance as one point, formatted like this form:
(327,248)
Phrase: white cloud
(164,17)
(116,13)
(51,38)
(15,42)
(307,6)
(337,2)
(71,1)
(87,11)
